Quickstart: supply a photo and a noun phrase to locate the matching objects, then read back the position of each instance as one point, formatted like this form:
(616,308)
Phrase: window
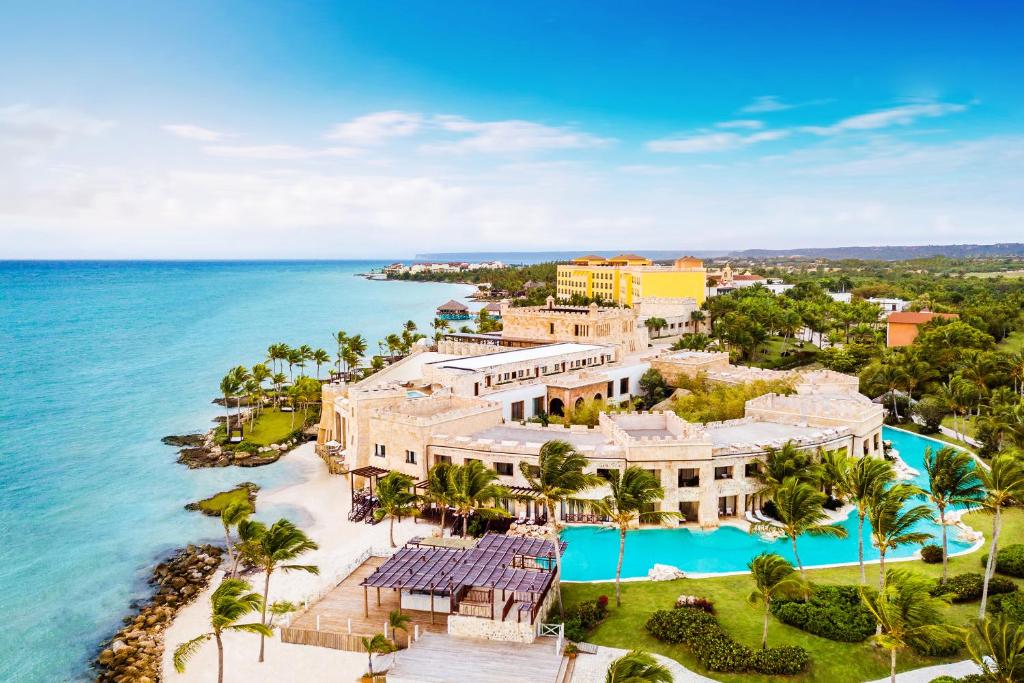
(378,450)
(723,473)
(443,459)
(611,388)
(689,477)
(605,473)
(551,328)
(533,470)
(410,457)
(503,468)
(538,405)
(476,388)
(517,410)
(624,385)
(751,469)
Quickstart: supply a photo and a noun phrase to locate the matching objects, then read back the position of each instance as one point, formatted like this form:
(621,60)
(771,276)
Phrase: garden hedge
(833,612)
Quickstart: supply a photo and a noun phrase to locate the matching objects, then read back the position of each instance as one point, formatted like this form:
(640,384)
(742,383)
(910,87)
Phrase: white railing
(556,630)
(330,582)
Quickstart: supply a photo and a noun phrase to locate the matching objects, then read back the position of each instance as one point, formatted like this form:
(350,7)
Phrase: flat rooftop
(409,369)
(591,437)
(490,360)
(757,433)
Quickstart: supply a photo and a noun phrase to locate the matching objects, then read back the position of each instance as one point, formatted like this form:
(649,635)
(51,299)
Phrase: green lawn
(243,493)
(273,426)
(769,354)
(916,428)
(965,424)
(831,660)
(1014,342)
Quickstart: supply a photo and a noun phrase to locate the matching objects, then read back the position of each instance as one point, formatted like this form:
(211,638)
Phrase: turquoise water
(593,552)
(98,361)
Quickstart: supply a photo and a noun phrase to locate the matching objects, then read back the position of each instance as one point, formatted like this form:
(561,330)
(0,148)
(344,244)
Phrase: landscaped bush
(582,618)
(931,553)
(833,612)
(1011,605)
(716,650)
(770,509)
(1009,560)
(944,679)
(945,649)
(968,587)
(696,602)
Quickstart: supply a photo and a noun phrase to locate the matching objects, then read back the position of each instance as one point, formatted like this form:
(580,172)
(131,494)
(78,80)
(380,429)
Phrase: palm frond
(184,652)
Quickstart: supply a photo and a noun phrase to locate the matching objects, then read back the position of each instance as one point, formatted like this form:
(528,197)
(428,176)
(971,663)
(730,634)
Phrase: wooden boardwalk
(446,659)
(346,602)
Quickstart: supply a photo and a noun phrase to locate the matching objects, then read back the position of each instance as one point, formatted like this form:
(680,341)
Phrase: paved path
(956,670)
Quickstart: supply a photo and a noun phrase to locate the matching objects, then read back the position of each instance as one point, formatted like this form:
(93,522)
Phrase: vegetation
(1004,485)
(1009,560)
(893,521)
(229,602)
(376,644)
(952,480)
(997,647)
(243,494)
(474,492)
(833,612)
(968,587)
(637,667)
(712,402)
(397,500)
(773,578)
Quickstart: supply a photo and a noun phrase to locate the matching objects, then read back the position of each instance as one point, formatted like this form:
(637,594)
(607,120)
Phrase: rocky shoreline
(135,652)
(200,450)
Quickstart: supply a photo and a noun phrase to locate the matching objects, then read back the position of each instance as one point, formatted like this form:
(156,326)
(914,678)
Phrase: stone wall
(475,627)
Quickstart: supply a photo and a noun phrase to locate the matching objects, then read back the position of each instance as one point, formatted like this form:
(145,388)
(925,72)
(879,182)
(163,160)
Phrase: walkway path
(928,673)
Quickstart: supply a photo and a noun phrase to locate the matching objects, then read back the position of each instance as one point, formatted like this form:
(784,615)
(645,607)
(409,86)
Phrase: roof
(453,305)
(493,306)
(487,564)
(369,471)
(918,317)
(629,257)
(589,257)
(748,277)
(516,356)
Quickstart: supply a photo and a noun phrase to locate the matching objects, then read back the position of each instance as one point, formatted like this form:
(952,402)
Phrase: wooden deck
(346,602)
(445,659)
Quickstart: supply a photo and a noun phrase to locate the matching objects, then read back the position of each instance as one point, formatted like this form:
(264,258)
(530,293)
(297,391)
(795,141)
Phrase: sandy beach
(325,498)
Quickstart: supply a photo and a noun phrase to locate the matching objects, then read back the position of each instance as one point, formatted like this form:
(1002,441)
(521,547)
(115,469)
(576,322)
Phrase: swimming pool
(593,551)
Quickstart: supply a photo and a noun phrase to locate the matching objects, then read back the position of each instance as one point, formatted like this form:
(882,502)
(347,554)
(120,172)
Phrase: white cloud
(26,131)
(705,141)
(187,131)
(747,124)
(896,116)
(509,136)
(767,103)
(376,128)
(278,152)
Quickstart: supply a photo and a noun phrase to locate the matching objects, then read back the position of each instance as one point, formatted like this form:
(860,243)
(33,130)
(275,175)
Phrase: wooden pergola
(370,472)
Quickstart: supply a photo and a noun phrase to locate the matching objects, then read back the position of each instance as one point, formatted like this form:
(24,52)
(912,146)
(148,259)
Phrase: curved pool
(593,551)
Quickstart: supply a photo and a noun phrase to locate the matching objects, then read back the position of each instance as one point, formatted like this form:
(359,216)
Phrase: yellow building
(628,278)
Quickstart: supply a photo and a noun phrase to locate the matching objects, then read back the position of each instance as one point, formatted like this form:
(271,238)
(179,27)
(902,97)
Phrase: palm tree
(908,614)
(890,373)
(229,388)
(834,472)
(378,644)
(557,476)
(305,355)
(867,476)
(474,492)
(399,622)
(229,603)
(356,347)
(633,494)
(781,464)
(800,511)
(341,337)
(637,667)
(997,647)
(953,394)
(295,357)
(394,491)
(269,547)
(278,381)
(320,357)
(952,480)
(439,489)
(230,517)
(1004,485)
(892,525)
(260,373)
(773,577)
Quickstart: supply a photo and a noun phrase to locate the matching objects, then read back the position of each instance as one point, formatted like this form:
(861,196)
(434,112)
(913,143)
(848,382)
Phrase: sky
(341,129)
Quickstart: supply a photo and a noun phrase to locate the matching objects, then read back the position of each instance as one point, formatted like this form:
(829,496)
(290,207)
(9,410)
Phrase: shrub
(944,679)
(602,602)
(769,508)
(1011,605)
(696,602)
(574,630)
(833,612)
(1009,560)
(590,613)
(945,649)
(931,553)
(786,660)
(716,650)
(968,587)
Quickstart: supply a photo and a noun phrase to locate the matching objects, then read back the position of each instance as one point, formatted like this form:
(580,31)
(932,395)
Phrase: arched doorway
(579,403)
(597,397)
(556,407)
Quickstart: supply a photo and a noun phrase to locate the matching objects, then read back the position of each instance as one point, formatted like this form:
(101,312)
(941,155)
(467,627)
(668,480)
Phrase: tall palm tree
(558,476)
(230,385)
(952,480)
(800,511)
(230,517)
(356,347)
(399,622)
(394,491)
(633,494)
(341,337)
(867,476)
(269,548)
(953,394)
(834,472)
(305,355)
(908,614)
(773,577)
(890,373)
(439,489)
(230,602)
(892,524)
(997,647)
(378,644)
(474,491)
(637,667)
(1004,485)
(294,358)
(278,381)
(781,464)
(260,373)
(320,357)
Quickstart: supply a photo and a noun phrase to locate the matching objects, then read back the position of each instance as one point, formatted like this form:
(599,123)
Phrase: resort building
(902,327)
(551,323)
(453,310)
(627,279)
(889,305)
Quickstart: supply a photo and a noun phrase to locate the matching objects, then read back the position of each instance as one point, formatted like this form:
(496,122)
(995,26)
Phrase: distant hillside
(882,253)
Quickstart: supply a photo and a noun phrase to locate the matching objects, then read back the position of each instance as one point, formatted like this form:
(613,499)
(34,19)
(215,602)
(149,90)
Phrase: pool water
(593,551)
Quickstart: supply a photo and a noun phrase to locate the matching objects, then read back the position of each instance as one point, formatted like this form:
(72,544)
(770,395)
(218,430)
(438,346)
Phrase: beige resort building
(472,397)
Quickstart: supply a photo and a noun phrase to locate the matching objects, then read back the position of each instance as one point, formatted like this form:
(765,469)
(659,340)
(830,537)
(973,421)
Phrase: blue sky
(202,129)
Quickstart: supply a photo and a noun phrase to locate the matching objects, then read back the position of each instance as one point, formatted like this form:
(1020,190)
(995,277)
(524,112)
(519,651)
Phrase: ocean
(98,361)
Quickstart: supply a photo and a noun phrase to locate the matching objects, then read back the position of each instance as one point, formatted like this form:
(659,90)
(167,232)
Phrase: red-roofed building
(903,326)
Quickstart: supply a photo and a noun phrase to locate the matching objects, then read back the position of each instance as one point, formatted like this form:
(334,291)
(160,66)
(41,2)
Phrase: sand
(325,498)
